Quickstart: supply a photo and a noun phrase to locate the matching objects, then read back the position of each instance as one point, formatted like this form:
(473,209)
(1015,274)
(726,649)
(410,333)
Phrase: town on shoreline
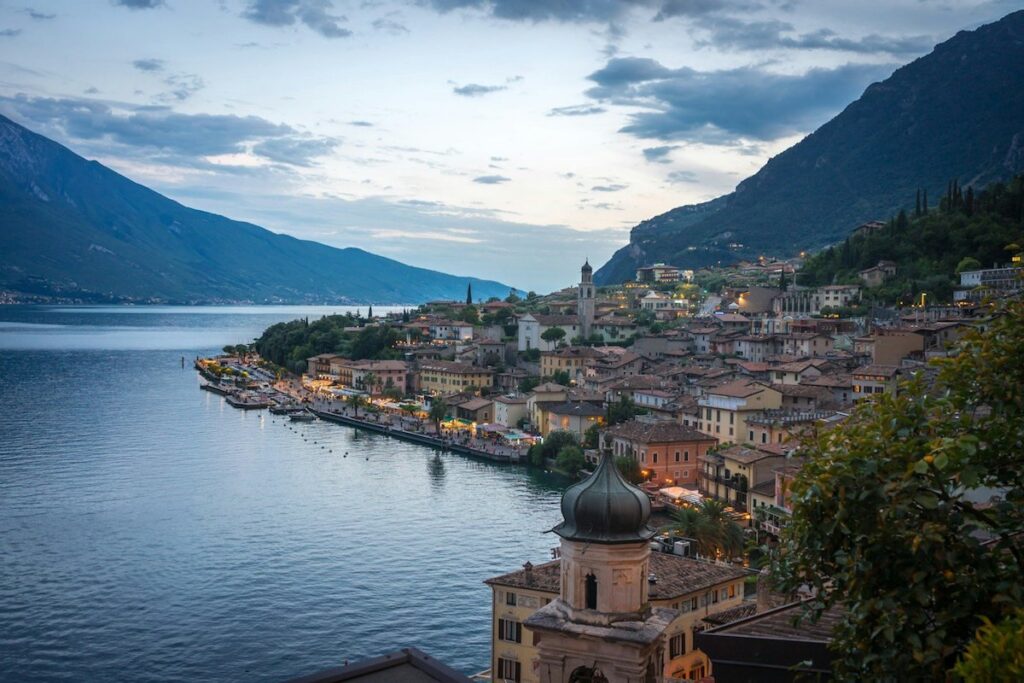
(697,389)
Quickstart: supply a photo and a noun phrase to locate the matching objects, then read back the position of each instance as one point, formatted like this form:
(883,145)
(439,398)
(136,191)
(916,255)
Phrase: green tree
(571,460)
(591,436)
(528,384)
(630,469)
(715,532)
(967,263)
(470,314)
(560,377)
(438,411)
(996,655)
(886,518)
(622,411)
(355,402)
(553,334)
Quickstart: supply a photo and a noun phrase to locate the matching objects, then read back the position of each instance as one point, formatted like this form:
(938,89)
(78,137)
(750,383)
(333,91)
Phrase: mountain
(956,113)
(72,228)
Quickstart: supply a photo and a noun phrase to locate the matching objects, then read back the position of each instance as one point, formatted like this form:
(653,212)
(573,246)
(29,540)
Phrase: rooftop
(656,432)
(778,624)
(407,665)
(576,408)
(676,576)
(453,367)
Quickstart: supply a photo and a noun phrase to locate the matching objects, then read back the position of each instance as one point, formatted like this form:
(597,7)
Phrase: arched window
(585,674)
(591,592)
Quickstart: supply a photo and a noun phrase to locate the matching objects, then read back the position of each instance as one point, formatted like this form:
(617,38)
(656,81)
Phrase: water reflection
(435,470)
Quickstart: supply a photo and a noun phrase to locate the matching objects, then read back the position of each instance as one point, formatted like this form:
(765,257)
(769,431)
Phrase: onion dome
(586,267)
(605,508)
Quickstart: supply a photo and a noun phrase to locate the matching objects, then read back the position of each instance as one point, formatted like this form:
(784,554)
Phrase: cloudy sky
(507,139)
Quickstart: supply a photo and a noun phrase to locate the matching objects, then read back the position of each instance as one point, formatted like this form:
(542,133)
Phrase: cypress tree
(901,221)
(924,204)
(782,280)
(369,312)
(917,204)
(469,294)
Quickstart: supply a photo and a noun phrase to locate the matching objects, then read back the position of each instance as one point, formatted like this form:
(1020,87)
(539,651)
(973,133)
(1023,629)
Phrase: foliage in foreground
(997,653)
(886,519)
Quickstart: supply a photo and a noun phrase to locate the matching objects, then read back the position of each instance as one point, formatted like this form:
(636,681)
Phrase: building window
(725,594)
(654,458)
(509,670)
(677,456)
(732,586)
(510,631)
(510,598)
(677,645)
(591,592)
(686,456)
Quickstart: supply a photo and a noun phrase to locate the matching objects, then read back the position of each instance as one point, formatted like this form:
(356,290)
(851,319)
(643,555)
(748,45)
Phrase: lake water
(150,532)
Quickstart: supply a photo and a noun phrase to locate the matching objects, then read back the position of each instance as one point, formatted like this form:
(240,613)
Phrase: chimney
(528,570)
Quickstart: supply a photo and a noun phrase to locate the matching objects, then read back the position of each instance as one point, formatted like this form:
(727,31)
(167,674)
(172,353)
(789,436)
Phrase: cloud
(660,154)
(722,107)
(183,86)
(612,187)
(491,179)
(296,151)
(698,8)
(363,124)
(39,16)
(727,33)
(147,128)
(314,14)
(477,90)
(10,32)
(389,26)
(577,110)
(139,4)
(682,177)
(578,11)
(148,64)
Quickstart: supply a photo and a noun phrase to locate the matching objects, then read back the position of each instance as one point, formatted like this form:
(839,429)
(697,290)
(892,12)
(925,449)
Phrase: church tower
(602,628)
(585,300)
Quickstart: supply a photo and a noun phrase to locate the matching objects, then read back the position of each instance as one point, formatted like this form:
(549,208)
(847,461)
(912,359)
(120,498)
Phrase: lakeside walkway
(400,426)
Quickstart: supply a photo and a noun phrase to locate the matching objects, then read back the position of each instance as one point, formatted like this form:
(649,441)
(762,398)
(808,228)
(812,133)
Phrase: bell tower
(602,628)
(585,299)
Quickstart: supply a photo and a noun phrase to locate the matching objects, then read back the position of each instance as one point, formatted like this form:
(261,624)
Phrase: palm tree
(438,411)
(370,381)
(716,533)
(355,401)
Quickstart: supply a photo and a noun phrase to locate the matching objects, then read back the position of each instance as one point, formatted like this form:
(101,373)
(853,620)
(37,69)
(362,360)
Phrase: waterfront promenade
(398,426)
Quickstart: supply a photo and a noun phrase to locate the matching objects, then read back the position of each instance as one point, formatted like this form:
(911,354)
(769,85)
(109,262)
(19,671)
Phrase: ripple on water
(147,528)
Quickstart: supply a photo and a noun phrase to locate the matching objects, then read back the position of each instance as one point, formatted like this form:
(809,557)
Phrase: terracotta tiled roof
(453,367)
(738,389)
(656,432)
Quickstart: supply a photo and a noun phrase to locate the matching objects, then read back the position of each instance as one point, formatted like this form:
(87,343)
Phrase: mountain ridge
(957,112)
(73,228)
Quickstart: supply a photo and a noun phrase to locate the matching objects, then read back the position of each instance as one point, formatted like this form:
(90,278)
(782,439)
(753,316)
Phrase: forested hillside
(957,112)
(967,230)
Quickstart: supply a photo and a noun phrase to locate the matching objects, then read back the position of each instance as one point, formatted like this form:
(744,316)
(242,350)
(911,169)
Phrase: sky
(505,139)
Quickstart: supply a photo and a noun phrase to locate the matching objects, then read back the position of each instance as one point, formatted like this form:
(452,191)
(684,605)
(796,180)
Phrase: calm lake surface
(150,532)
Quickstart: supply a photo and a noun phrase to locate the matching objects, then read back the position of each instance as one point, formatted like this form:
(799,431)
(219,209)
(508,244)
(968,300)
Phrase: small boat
(284,409)
(304,416)
(247,401)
